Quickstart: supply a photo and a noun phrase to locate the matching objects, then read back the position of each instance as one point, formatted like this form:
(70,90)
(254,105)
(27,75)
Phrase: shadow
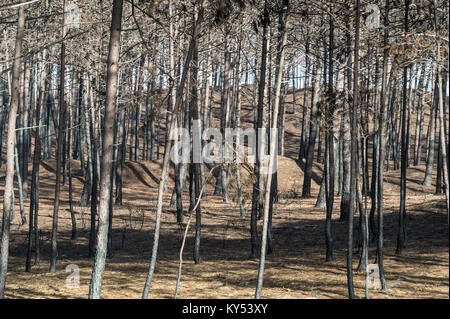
(137,173)
(297,262)
(316,178)
(153,177)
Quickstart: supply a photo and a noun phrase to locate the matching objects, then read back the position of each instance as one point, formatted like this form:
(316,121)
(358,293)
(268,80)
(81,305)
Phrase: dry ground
(296,268)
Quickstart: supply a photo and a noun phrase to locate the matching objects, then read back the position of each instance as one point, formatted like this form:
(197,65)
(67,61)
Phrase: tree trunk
(59,153)
(164,173)
(256,194)
(306,192)
(354,154)
(9,181)
(107,151)
(382,119)
(283,25)
(432,135)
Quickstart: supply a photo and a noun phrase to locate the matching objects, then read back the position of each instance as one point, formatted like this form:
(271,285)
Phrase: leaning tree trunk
(273,141)
(164,173)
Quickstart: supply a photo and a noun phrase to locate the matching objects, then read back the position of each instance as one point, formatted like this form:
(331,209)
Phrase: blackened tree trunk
(306,191)
(69,168)
(256,194)
(374,180)
(432,134)
(419,117)
(442,120)
(34,196)
(401,235)
(196,150)
(346,141)
(329,144)
(27,118)
(305,125)
(59,153)
(86,140)
(93,184)
(382,121)
(237,124)
(354,154)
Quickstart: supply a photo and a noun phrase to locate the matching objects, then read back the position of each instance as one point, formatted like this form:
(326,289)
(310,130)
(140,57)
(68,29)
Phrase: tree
(107,151)
(354,153)
(281,49)
(164,173)
(8,195)
(61,124)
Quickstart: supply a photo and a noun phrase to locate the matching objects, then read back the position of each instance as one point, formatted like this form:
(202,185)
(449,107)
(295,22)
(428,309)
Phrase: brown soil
(296,268)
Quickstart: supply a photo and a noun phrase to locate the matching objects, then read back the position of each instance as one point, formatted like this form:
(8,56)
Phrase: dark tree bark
(306,191)
(329,144)
(34,196)
(382,121)
(401,235)
(305,125)
(59,150)
(354,154)
(442,120)
(256,194)
(432,133)
(196,129)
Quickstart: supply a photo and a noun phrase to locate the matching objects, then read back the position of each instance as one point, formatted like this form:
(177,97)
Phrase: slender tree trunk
(27,119)
(330,130)
(442,119)
(196,150)
(164,173)
(61,124)
(354,154)
(34,196)
(401,235)
(305,116)
(306,192)
(283,25)
(432,133)
(107,151)
(9,181)
(256,194)
(382,121)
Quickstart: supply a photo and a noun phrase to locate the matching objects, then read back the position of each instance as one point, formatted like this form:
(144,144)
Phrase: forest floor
(295,269)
